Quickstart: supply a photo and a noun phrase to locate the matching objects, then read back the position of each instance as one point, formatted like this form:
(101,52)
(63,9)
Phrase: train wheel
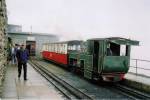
(73,69)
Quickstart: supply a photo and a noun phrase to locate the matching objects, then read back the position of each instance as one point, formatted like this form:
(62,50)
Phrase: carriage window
(50,47)
(44,48)
(53,46)
(65,48)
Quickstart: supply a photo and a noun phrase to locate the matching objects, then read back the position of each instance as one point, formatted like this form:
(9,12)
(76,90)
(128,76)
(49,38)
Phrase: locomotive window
(127,50)
(113,49)
(83,47)
(74,47)
(69,47)
(78,47)
(123,50)
(116,49)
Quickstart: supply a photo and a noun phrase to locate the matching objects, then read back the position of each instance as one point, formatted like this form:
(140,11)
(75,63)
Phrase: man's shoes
(18,76)
(25,79)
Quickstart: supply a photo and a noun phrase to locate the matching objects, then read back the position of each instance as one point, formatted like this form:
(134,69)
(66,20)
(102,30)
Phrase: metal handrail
(141,60)
(136,66)
(140,68)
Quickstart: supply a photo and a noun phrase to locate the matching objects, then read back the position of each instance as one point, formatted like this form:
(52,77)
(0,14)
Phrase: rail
(140,66)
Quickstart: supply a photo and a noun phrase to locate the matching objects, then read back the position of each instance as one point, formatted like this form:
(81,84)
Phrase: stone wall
(3,41)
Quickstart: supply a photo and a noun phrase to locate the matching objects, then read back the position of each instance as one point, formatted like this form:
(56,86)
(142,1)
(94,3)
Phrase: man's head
(23,46)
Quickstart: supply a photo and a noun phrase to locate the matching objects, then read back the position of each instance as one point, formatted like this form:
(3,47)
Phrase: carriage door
(31,45)
(96,56)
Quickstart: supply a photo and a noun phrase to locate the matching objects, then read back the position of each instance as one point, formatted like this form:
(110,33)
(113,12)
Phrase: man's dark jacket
(22,55)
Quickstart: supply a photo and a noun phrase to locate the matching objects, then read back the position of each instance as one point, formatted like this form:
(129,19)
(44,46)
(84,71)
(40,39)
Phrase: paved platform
(140,82)
(36,87)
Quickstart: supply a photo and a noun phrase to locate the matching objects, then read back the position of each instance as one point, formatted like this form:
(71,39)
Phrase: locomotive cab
(116,58)
(111,57)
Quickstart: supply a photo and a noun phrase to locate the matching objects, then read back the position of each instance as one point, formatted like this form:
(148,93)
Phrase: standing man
(14,51)
(22,56)
(13,54)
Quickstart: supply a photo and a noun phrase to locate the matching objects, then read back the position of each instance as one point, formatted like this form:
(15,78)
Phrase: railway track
(126,91)
(66,89)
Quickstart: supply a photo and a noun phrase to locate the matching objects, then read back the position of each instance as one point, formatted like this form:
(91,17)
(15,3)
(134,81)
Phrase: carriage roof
(71,42)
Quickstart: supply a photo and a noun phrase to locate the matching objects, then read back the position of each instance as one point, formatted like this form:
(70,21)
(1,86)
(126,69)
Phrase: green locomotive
(101,58)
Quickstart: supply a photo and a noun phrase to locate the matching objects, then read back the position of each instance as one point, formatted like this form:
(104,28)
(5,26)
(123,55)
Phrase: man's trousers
(24,65)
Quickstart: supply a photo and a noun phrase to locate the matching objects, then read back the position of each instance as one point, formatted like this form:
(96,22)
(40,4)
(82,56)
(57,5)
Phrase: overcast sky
(82,19)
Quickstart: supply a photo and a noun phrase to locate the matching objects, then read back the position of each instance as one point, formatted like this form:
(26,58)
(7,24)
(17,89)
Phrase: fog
(83,19)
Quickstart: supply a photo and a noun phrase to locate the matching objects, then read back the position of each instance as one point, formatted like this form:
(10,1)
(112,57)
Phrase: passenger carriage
(58,52)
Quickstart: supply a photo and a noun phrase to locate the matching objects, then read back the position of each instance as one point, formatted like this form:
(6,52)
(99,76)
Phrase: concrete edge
(137,85)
